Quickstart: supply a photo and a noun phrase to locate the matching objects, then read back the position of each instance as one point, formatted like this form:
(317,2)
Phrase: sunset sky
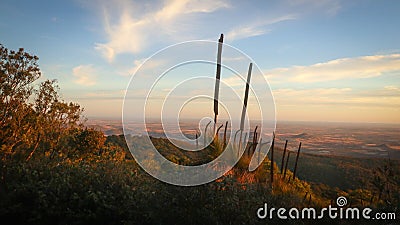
(325,60)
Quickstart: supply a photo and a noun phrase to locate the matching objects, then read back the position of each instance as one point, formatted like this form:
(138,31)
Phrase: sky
(327,60)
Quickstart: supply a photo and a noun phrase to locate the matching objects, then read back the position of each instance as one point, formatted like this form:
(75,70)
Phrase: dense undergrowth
(108,187)
(53,170)
(105,191)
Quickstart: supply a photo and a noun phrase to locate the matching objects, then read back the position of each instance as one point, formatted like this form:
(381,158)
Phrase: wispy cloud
(339,69)
(392,88)
(135,29)
(132,27)
(338,96)
(284,11)
(329,7)
(235,81)
(84,75)
(105,94)
(307,90)
(255,28)
(337,104)
(144,66)
(292,96)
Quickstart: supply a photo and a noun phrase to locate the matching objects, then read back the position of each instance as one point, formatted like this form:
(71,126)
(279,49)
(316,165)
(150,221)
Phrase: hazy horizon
(154,119)
(322,138)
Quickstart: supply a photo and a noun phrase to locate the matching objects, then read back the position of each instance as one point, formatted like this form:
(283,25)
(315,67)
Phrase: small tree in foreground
(30,118)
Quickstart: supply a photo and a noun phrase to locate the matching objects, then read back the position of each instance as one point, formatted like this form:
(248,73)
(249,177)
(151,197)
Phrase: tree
(55,118)
(88,140)
(31,118)
(18,70)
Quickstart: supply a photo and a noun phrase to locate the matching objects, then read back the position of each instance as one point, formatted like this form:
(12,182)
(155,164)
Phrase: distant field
(337,139)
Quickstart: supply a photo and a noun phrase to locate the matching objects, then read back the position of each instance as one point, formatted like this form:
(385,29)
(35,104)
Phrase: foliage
(31,119)
(18,70)
(83,177)
(114,192)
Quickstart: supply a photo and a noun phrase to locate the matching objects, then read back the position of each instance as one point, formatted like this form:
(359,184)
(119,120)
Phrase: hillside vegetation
(53,170)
